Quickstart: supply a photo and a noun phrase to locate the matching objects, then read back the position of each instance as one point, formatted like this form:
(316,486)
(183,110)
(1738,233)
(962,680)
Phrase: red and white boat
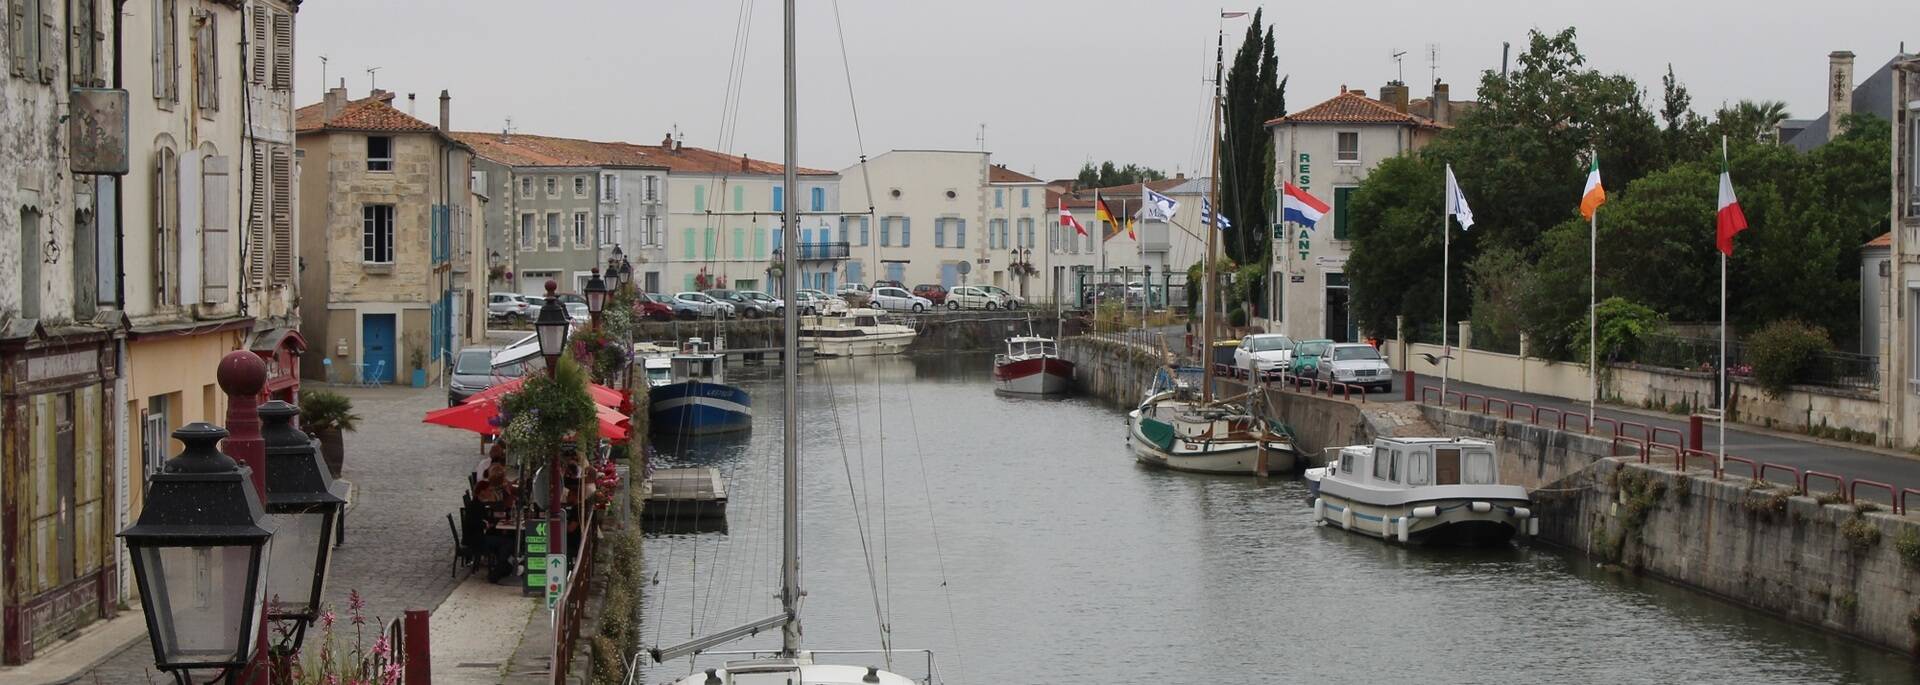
(1032,366)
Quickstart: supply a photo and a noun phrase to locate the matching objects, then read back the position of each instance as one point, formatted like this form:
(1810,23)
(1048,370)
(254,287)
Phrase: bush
(1785,352)
(1909,545)
(321,411)
(1860,534)
(1623,327)
(1237,317)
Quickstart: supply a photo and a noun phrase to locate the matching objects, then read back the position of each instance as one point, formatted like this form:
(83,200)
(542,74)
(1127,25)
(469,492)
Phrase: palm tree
(1750,121)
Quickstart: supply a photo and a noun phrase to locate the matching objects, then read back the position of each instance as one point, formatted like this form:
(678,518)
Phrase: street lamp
(551,328)
(596,291)
(304,503)
(200,557)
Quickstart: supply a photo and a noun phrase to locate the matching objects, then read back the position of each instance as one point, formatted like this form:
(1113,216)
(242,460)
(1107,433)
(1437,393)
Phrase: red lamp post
(242,375)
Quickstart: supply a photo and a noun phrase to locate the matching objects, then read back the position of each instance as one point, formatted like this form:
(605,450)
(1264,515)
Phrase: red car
(936,294)
(653,307)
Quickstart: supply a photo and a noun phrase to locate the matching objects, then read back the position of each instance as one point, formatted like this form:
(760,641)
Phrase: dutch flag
(1299,207)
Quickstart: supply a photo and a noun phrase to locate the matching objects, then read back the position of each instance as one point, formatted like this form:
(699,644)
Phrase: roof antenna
(370,78)
(323,76)
(981,139)
(1433,63)
(1504,48)
(1399,66)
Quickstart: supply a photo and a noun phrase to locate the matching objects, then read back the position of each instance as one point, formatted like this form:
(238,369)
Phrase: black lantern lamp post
(200,557)
(551,327)
(626,273)
(596,292)
(304,503)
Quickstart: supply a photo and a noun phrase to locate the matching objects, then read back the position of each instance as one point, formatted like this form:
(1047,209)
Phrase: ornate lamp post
(304,503)
(596,291)
(551,328)
(626,272)
(200,557)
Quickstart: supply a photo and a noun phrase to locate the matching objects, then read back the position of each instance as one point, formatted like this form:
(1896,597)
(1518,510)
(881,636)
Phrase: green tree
(1107,174)
(1255,94)
(1749,121)
(1395,264)
(1500,279)
(1684,134)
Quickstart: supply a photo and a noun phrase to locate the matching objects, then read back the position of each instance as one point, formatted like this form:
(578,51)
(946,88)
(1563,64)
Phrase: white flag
(1157,207)
(1457,202)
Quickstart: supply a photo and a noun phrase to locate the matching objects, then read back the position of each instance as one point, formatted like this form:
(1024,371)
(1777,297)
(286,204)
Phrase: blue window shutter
(819,199)
(759,242)
(689,242)
(1025,197)
(960,232)
(864,236)
(906,231)
(998,197)
(700,198)
(853,272)
(939,232)
(779,198)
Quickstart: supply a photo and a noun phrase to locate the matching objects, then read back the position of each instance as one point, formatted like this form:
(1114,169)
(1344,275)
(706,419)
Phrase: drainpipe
(119,186)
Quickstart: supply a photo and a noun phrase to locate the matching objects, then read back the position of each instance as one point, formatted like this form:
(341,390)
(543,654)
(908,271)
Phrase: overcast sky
(1056,82)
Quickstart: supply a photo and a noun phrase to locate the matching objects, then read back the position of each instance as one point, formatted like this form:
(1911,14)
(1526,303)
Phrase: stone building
(386,202)
(1899,328)
(269,291)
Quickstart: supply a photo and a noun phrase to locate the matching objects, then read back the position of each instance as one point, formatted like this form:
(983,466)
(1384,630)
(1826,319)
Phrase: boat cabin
(697,362)
(1418,462)
(853,324)
(1022,347)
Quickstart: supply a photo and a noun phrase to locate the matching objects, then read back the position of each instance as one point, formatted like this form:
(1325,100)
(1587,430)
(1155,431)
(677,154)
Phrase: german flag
(1112,224)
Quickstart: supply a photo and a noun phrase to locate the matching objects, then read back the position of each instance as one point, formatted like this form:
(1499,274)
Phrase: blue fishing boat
(696,399)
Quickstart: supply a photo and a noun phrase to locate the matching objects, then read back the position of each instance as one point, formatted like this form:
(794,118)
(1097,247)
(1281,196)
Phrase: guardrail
(572,604)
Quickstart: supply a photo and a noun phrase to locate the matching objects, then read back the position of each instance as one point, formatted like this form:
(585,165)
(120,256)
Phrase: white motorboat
(1032,366)
(858,333)
(1421,490)
(657,361)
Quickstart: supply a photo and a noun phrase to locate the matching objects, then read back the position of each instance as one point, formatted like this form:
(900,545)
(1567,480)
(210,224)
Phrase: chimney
(1442,103)
(1362,92)
(666,142)
(335,101)
(743,163)
(1395,95)
(446,112)
(1839,91)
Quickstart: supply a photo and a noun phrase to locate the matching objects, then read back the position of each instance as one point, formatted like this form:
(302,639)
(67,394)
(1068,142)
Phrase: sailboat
(1186,429)
(792,665)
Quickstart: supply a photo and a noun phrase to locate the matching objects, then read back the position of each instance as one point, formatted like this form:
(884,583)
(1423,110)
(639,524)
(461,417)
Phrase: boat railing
(919,654)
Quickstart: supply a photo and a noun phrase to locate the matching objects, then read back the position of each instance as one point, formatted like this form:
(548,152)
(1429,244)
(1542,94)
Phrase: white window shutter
(282,51)
(282,190)
(263,47)
(259,248)
(162,255)
(17,27)
(49,41)
(215,281)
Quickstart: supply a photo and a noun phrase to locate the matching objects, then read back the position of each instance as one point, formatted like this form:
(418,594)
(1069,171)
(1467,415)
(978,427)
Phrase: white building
(1899,330)
(1160,246)
(928,212)
(1327,150)
(723,221)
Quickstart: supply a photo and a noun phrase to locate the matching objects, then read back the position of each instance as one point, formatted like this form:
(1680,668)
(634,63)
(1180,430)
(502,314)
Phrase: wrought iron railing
(1831,369)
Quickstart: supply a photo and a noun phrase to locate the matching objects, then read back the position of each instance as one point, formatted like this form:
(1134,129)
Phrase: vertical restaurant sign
(1304,169)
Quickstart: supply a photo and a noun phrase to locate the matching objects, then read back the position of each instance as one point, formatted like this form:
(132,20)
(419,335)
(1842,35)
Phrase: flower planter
(419,378)
(333,450)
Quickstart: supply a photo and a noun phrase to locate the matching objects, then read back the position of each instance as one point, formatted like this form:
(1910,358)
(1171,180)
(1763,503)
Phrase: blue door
(949,275)
(376,347)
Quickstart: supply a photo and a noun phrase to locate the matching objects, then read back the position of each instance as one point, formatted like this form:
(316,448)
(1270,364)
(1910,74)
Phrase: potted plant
(326,416)
(417,358)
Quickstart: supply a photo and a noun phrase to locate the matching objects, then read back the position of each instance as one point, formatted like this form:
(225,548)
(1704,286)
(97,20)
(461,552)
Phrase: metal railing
(1831,369)
(572,604)
(816,251)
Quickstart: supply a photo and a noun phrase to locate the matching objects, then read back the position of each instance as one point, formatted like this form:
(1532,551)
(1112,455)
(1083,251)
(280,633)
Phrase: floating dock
(682,497)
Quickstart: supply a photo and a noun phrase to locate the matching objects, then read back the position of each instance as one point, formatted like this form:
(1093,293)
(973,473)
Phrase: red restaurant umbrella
(602,395)
(477,415)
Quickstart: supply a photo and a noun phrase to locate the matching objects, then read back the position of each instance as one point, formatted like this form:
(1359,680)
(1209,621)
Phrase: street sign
(534,550)
(963,267)
(556,578)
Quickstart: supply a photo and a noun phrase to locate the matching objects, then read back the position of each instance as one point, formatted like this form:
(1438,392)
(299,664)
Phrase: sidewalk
(1801,452)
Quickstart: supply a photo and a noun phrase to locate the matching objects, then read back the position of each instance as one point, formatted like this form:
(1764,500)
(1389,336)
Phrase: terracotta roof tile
(1083,198)
(1885,240)
(373,113)
(1000,174)
(1351,108)
(535,151)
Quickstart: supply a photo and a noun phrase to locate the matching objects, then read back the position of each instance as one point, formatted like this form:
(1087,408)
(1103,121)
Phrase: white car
(974,297)
(1011,300)
(507,306)
(898,299)
(1356,364)
(1263,354)
(708,307)
(578,315)
(816,302)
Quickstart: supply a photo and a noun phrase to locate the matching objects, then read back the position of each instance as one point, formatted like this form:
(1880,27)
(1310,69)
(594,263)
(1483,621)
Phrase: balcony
(823,251)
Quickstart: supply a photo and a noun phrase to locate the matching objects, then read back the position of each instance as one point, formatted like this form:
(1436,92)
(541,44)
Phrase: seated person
(497,532)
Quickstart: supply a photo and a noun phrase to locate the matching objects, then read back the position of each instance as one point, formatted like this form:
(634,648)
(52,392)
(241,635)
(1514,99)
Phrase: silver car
(509,306)
(473,371)
(708,307)
(898,299)
(1356,364)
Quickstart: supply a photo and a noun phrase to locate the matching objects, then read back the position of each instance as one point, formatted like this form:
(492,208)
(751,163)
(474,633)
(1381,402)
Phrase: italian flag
(1730,219)
(1595,194)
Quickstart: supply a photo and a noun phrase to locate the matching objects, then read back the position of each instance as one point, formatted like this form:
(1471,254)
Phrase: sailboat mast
(789,366)
(1208,287)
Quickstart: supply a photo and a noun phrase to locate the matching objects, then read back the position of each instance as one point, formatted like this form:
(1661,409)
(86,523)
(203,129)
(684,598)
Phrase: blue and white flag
(1457,202)
(1208,217)
(1157,207)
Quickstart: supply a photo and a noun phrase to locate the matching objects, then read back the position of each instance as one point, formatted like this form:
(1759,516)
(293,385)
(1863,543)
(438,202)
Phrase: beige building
(1327,150)
(1108,254)
(723,221)
(386,201)
(1899,330)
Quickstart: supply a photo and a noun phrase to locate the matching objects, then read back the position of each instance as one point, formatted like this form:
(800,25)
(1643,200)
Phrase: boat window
(1446,466)
(1393,468)
(1346,462)
(865,321)
(1479,469)
(1380,463)
(1417,468)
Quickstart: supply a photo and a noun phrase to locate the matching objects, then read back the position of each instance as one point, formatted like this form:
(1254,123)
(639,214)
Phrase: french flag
(1299,207)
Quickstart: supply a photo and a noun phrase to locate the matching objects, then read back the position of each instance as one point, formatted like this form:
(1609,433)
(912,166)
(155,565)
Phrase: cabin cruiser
(657,361)
(1421,490)
(1176,428)
(696,399)
(1032,366)
(859,333)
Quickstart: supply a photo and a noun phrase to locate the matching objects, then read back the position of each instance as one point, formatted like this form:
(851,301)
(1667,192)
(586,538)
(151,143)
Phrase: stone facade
(1900,319)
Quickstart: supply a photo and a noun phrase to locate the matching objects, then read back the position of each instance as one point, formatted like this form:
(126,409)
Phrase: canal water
(1018,540)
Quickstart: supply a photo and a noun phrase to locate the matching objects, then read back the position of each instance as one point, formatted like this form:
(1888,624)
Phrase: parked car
(764,303)
(814,302)
(1012,301)
(934,292)
(654,307)
(742,305)
(973,297)
(473,371)
(898,299)
(1264,354)
(1357,364)
(855,294)
(508,307)
(889,284)
(705,306)
(578,314)
(1306,357)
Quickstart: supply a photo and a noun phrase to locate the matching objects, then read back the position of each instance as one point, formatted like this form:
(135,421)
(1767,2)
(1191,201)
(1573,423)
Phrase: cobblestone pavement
(407,476)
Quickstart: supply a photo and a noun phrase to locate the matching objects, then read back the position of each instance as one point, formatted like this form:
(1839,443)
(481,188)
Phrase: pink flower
(390,676)
(326,619)
(380,646)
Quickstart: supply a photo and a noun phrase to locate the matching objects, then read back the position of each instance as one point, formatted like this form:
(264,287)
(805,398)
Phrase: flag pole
(1593,312)
(1720,461)
(1446,288)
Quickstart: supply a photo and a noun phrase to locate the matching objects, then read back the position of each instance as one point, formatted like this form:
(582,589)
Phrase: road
(1800,453)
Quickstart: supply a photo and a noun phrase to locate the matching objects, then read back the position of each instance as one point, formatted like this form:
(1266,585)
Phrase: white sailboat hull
(873,345)
(1152,445)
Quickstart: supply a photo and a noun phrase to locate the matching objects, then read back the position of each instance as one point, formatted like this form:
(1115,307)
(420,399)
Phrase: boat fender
(1426,512)
(1482,507)
(1519,512)
(1533,527)
(1319,510)
(1346,518)
(1405,525)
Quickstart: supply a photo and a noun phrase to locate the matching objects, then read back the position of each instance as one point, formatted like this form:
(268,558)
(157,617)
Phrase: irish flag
(1730,220)
(1595,194)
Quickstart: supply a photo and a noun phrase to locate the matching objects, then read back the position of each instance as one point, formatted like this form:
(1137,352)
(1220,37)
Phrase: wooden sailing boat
(1187,429)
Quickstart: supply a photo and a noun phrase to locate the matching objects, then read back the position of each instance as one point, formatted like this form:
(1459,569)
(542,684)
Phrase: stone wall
(1530,456)
(1826,565)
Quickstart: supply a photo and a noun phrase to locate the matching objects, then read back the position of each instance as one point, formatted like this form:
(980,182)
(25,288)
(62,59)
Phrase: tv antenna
(371,75)
(1433,63)
(323,76)
(1399,65)
(981,138)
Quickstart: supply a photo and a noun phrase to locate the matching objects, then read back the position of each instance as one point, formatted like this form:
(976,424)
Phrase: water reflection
(1063,562)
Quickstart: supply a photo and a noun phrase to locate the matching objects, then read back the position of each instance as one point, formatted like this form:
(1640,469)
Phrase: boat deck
(687,495)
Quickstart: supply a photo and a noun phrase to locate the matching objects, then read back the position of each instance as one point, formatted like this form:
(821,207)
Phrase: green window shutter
(739,243)
(739,198)
(689,240)
(709,243)
(699,199)
(1340,229)
(759,242)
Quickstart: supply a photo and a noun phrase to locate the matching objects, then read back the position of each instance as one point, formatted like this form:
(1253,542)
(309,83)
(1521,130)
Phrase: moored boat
(1032,366)
(1421,490)
(1176,428)
(696,399)
(858,333)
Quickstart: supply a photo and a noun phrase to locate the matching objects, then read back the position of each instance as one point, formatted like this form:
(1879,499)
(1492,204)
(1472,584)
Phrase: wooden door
(1446,467)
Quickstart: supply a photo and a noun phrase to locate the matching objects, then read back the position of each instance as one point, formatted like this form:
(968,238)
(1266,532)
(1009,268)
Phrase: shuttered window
(166,51)
(206,64)
(166,227)
(215,277)
(282,186)
(260,39)
(84,45)
(1341,231)
(259,240)
(282,51)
